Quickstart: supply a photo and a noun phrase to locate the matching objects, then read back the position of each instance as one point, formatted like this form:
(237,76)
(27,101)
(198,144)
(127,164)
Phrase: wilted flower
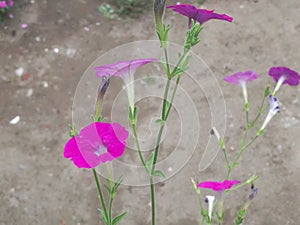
(284,75)
(218,186)
(274,108)
(242,78)
(125,70)
(198,15)
(96,143)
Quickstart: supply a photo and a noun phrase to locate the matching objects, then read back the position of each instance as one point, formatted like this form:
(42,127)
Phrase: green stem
(100,193)
(166,92)
(138,144)
(239,155)
(152,190)
(110,210)
(167,62)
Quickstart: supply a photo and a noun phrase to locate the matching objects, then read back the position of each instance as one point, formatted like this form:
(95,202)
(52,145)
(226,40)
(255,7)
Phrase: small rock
(19,72)
(15,120)
(38,39)
(56,50)
(86,29)
(71,52)
(45,84)
(24,25)
(29,92)
(25,77)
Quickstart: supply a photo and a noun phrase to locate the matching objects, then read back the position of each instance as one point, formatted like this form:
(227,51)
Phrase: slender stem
(260,110)
(166,92)
(110,210)
(239,155)
(152,190)
(167,61)
(138,144)
(100,193)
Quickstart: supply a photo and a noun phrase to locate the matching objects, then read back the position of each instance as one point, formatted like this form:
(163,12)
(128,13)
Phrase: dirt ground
(63,38)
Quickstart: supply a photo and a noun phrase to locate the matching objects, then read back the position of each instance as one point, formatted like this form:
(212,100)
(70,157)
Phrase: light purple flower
(96,143)
(3,4)
(198,15)
(284,75)
(218,186)
(125,70)
(242,78)
(274,109)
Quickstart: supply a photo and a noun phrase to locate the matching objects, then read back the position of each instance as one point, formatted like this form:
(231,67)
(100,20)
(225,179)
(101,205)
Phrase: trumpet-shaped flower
(198,15)
(210,200)
(96,143)
(274,109)
(284,75)
(242,78)
(125,70)
(218,186)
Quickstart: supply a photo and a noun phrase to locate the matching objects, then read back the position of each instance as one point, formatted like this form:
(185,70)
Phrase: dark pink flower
(218,186)
(96,143)
(287,75)
(198,15)
(241,77)
(2,4)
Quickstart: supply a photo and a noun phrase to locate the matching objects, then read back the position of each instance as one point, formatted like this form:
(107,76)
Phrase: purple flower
(96,143)
(3,4)
(125,70)
(198,15)
(274,109)
(218,186)
(242,78)
(284,75)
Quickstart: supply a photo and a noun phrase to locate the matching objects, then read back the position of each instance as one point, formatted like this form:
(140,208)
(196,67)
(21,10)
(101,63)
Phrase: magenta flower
(2,4)
(198,15)
(242,78)
(218,186)
(125,70)
(96,143)
(284,75)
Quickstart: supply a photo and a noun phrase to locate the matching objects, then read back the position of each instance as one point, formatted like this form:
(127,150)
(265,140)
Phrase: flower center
(101,149)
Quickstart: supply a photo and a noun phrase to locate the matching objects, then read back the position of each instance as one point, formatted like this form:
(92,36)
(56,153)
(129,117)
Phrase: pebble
(38,39)
(98,24)
(71,52)
(19,72)
(45,84)
(86,29)
(15,120)
(56,50)
(29,92)
(24,25)
(46,49)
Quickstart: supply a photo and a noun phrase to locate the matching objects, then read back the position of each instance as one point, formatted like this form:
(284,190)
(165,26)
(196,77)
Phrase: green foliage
(124,8)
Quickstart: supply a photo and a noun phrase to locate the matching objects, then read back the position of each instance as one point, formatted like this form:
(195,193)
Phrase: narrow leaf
(159,173)
(117,219)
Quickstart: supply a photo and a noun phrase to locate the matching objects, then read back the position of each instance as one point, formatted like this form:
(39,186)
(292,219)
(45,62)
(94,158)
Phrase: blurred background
(45,48)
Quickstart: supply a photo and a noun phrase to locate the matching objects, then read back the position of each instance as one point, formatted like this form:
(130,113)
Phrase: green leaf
(103,216)
(160,121)
(159,173)
(118,218)
(149,162)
